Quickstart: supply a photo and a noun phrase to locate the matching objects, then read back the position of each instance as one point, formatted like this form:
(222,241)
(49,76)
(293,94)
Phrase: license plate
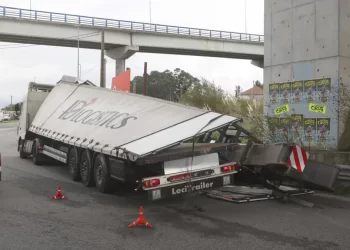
(156,194)
(227,180)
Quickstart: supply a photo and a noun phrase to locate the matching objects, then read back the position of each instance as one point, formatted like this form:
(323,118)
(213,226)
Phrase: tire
(101,174)
(86,170)
(73,164)
(36,157)
(22,155)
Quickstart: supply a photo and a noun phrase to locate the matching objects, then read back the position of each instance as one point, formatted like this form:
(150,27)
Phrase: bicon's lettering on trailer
(82,112)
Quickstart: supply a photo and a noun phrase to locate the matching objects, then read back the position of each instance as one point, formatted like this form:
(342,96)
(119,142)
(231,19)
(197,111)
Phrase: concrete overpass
(124,38)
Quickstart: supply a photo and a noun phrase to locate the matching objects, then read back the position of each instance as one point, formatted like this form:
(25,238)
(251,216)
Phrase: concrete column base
(119,66)
(120,55)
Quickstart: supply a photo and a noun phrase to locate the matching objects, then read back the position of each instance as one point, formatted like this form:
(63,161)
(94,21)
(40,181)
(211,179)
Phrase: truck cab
(27,109)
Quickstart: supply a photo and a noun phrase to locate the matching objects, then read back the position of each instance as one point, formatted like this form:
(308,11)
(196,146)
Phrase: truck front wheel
(22,155)
(36,156)
(86,173)
(73,164)
(102,177)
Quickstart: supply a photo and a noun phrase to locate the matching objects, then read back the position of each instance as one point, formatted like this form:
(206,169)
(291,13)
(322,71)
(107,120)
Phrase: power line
(8,46)
(87,71)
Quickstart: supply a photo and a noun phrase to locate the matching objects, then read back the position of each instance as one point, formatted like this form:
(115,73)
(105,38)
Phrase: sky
(47,64)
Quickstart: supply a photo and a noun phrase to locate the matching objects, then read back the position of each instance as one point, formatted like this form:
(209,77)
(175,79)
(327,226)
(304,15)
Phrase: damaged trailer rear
(105,135)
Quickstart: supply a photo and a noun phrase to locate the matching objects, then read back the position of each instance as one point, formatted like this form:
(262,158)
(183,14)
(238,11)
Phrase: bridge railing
(127,25)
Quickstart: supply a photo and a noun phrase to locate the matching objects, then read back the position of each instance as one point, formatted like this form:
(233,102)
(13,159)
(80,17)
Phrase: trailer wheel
(36,157)
(86,173)
(73,163)
(22,155)
(102,176)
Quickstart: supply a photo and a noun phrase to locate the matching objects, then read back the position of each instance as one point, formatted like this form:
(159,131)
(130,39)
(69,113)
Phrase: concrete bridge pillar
(307,51)
(120,54)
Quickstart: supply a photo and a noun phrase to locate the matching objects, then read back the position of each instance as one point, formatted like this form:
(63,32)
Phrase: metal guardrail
(127,25)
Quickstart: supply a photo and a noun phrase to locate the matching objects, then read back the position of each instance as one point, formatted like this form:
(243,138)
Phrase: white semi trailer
(105,135)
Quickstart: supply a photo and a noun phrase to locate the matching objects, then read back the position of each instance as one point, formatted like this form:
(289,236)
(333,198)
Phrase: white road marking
(4,129)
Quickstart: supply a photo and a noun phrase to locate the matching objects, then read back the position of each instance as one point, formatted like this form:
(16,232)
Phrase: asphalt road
(91,220)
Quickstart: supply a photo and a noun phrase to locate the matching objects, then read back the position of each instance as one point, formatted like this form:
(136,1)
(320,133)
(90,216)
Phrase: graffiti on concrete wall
(303,112)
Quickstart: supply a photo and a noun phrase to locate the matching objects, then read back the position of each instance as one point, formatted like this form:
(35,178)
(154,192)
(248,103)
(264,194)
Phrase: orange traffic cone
(140,220)
(59,195)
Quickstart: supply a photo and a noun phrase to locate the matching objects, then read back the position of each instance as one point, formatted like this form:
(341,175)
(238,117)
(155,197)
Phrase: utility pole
(253,88)
(150,12)
(145,79)
(102,71)
(245,15)
(11,102)
(78,62)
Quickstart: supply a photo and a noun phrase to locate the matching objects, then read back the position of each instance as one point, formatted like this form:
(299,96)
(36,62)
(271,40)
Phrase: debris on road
(243,194)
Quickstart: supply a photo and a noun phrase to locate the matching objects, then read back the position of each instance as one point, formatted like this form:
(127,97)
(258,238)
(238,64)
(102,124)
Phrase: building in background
(74,80)
(255,93)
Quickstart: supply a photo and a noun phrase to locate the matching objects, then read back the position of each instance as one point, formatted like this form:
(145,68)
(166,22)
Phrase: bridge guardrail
(128,25)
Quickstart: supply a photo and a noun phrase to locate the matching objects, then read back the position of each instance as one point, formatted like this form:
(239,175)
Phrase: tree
(341,100)
(257,83)
(8,108)
(238,90)
(251,111)
(207,95)
(166,85)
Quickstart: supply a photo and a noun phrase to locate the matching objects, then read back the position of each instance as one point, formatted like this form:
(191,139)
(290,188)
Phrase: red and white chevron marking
(298,158)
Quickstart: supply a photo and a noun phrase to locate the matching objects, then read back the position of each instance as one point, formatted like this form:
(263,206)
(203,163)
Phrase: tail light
(151,183)
(186,176)
(228,168)
(180,177)
(40,147)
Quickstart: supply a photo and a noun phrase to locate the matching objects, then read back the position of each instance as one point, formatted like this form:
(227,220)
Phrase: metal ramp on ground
(244,194)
